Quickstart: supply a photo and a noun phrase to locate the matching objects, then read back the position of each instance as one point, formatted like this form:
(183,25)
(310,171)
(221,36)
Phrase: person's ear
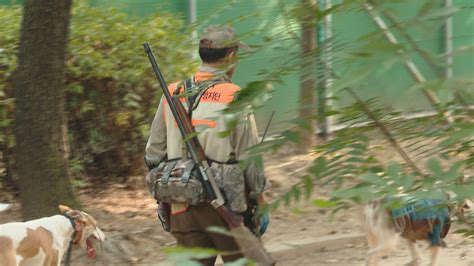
(232,53)
(231,57)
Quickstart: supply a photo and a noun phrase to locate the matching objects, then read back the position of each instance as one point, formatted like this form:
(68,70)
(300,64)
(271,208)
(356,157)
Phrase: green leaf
(362,193)
(241,262)
(407,182)
(308,186)
(324,203)
(188,256)
(453,173)
(462,191)
(291,135)
(319,166)
(356,153)
(78,183)
(296,193)
(393,171)
(465,232)
(355,160)
(442,13)
(435,168)
(372,179)
(287,199)
(76,88)
(457,136)
(352,78)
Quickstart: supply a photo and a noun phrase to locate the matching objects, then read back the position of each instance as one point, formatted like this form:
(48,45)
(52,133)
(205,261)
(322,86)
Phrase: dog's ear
(88,219)
(64,209)
(465,207)
(468,204)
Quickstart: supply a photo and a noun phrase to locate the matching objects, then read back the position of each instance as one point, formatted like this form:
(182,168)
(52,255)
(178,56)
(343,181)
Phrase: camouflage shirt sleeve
(244,136)
(155,150)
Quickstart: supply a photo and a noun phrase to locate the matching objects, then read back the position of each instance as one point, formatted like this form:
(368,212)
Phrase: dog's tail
(4,207)
(370,214)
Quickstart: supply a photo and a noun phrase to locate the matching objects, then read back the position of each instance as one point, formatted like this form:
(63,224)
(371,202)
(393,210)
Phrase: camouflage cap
(220,36)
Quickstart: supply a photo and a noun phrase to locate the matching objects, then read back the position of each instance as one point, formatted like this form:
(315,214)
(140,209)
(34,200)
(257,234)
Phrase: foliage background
(112,94)
(434,157)
(111,91)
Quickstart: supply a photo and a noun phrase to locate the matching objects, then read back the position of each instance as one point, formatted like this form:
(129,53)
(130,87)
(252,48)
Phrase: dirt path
(126,213)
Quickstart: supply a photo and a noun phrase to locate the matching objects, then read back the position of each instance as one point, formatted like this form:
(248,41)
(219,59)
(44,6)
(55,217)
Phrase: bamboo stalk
(409,64)
(426,57)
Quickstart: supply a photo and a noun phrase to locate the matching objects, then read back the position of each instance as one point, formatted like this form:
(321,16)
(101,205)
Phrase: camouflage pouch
(174,182)
(230,179)
(152,176)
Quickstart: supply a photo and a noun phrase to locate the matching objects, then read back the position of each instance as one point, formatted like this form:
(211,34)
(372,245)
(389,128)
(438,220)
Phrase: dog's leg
(434,250)
(414,254)
(372,258)
(373,253)
(381,234)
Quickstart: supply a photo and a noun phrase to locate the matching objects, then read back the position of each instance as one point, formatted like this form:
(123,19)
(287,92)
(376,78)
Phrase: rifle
(249,245)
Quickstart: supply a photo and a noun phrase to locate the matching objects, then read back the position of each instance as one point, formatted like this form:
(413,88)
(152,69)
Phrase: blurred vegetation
(112,97)
(112,93)
(381,153)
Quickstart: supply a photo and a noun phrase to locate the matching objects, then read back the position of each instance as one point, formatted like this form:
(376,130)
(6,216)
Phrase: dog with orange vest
(44,241)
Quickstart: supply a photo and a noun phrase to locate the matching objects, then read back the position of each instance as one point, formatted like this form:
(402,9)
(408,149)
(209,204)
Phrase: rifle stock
(249,245)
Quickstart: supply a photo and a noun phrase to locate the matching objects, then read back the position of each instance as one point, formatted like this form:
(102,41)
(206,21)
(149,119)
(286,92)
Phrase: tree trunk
(307,110)
(40,122)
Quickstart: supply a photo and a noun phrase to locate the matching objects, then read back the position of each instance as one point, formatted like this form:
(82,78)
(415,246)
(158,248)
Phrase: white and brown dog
(419,220)
(44,241)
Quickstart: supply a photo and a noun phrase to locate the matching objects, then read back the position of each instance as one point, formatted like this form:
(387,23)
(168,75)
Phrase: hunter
(208,92)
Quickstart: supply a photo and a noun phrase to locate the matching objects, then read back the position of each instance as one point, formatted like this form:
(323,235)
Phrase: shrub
(112,93)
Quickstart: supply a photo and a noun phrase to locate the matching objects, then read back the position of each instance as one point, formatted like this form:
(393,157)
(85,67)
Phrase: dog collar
(77,235)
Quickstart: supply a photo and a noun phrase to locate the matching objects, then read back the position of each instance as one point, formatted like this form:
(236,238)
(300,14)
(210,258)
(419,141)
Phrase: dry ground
(126,213)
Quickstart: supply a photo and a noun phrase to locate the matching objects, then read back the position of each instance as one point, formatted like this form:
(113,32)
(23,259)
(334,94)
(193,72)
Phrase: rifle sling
(187,172)
(167,172)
